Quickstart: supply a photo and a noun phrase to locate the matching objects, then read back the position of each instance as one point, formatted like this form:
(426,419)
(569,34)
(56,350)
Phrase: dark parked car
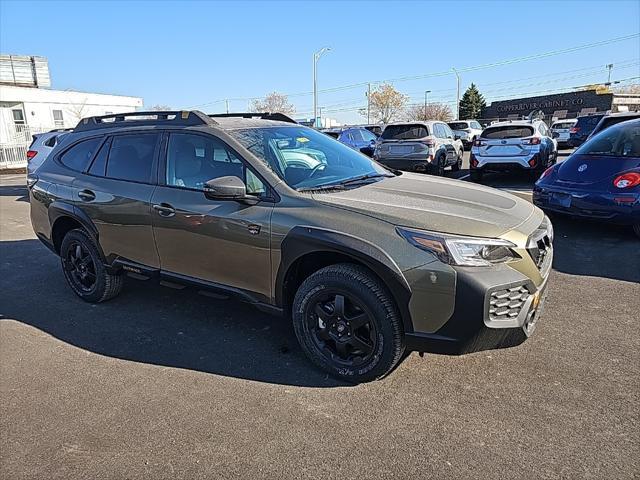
(579,133)
(367,263)
(600,180)
(612,119)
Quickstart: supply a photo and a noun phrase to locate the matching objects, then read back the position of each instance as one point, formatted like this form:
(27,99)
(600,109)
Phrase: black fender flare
(301,241)
(59,209)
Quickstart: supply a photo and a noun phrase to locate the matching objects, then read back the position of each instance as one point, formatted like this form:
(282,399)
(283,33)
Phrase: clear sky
(188,54)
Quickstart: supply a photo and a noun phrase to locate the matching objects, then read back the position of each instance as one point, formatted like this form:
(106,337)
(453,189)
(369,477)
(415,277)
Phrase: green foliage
(471,103)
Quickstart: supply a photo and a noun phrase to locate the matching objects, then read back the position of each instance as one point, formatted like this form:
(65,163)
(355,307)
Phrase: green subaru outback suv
(368,262)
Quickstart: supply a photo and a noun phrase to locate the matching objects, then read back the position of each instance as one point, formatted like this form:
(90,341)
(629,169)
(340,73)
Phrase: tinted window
(589,122)
(99,165)
(357,136)
(131,157)
(193,160)
(508,131)
(78,157)
(619,141)
(458,125)
(405,132)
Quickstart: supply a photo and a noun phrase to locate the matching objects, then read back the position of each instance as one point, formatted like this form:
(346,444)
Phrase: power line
(448,72)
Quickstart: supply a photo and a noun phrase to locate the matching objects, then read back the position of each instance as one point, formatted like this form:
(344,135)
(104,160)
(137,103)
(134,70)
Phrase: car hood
(437,204)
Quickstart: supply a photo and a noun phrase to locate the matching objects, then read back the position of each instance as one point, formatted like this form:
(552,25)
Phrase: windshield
(617,141)
(458,125)
(404,132)
(305,158)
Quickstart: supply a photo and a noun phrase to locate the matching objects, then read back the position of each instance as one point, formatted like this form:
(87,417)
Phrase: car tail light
(533,161)
(31,154)
(627,180)
(574,130)
(547,172)
(479,143)
(531,141)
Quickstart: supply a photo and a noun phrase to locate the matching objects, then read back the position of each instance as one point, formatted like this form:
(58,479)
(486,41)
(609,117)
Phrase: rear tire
(84,270)
(347,323)
(458,165)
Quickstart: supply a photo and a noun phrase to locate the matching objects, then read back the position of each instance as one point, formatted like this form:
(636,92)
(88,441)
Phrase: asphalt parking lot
(160,383)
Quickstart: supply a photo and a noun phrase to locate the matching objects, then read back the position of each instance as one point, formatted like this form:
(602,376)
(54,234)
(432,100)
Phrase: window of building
(131,157)
(78,157)
(18,116)
(58,119)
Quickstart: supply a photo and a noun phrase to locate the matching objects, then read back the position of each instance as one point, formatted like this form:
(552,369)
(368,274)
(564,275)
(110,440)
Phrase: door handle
(86,195)
(164,210)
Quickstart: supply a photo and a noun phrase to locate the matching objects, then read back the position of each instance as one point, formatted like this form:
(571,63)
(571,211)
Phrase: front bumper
(595,205)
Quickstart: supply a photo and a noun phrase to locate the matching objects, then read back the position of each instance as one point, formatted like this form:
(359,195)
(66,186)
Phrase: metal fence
(13,150)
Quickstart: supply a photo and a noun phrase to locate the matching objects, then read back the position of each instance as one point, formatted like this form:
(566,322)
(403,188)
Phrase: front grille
(506,304)
(540,245)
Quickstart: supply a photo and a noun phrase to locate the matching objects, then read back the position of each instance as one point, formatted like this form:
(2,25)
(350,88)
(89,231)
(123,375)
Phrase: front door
(223,242)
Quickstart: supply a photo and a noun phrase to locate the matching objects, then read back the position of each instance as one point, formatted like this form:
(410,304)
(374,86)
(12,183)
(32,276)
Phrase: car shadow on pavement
(19,191)
(153,324)
(595,249)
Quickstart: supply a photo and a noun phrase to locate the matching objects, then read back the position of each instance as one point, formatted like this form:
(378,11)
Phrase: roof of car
(416,122)
(514,122)
(624,114)
(235,123)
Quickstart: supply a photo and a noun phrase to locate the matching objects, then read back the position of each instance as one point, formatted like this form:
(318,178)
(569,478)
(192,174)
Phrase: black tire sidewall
(385,317)
(98,291)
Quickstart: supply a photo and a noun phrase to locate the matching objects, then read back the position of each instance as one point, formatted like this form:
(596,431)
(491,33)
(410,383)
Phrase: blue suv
(358,138)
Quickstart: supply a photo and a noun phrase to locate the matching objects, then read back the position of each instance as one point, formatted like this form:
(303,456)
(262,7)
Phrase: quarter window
(193,160)
(131,157)
(78,157)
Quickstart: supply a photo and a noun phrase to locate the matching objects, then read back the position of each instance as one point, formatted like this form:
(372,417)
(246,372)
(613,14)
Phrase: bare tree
(386,103)
(274,103)
(78,110)
(160,108)
(434,111)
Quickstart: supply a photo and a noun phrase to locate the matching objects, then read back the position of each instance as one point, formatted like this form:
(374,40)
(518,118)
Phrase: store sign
(572,102)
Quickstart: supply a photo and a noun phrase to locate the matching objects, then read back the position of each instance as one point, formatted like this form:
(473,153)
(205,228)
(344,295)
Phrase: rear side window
(507,131)
(131,157)
(405,132)
(78,157)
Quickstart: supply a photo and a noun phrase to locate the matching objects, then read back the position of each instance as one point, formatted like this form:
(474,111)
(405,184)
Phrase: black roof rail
(281,117)
(183,118)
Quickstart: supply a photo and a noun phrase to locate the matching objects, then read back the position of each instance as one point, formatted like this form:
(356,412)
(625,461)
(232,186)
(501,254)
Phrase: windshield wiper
(362,178)
(320,188)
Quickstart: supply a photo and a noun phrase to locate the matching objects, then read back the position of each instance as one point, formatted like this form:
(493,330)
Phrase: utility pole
(368,103)
(226,102)
(316,57)
(426,103)
(609,67)
(320,119)
(457,94)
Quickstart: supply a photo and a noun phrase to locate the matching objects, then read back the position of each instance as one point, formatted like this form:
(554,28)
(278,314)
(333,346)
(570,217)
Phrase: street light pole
(457,94)
(368,104)
(316,57)
(426,104)
(610,67)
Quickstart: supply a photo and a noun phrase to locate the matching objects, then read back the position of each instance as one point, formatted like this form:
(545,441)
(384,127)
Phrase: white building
(27,108)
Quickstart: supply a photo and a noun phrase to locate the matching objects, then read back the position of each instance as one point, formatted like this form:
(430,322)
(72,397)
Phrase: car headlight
(456,250)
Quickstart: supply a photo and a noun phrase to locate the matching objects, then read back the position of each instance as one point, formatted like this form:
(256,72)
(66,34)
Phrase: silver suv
(514,145)
(425,147)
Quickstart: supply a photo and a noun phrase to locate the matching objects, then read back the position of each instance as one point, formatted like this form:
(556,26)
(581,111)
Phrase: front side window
(305,158)
(616,141)
(131,157)
(367,135)
(447,131)
(193,160)
(476,125)
(357,136)
(78,157)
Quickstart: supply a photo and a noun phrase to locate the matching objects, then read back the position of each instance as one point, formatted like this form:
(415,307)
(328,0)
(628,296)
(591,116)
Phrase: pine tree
(472,103)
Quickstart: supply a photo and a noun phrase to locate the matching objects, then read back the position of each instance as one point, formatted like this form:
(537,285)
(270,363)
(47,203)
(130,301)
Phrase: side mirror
(225,188)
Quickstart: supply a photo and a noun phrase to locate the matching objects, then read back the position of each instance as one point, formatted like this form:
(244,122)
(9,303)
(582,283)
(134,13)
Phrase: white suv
(513,145)
(471,128)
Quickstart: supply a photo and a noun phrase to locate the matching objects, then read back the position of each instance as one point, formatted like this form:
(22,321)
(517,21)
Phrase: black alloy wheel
(80,267)
(341,328)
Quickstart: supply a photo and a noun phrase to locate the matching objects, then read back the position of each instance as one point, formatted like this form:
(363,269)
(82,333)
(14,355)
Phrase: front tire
(84,270)
(458,165)
(347,323)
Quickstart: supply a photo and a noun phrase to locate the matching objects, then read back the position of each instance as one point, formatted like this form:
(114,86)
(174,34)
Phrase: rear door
(222,242)
(115,192)
(505,141)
